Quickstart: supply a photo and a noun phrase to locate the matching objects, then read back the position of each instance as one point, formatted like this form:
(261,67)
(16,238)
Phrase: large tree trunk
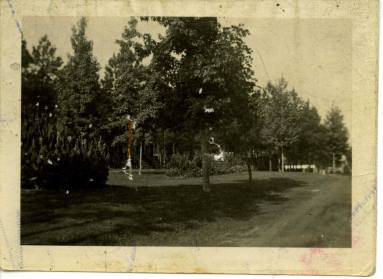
(254,160)
(159,152)
(282,161)
(140,162)
(248,162)
(270,164)
(333,162)
(164,148)
(205,162)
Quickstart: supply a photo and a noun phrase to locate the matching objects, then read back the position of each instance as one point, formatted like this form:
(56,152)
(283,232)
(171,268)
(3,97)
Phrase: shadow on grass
(121,209)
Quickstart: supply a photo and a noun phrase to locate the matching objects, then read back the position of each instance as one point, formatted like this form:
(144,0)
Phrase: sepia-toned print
(186,131)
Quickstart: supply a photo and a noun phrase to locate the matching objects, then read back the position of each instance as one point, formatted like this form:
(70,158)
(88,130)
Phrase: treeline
(280,126)
(192,85)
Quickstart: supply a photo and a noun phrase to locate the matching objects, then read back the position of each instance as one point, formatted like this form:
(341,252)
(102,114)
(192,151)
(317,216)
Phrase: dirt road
(318,214)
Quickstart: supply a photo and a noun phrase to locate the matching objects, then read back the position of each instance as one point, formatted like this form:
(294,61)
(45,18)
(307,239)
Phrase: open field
(279,210)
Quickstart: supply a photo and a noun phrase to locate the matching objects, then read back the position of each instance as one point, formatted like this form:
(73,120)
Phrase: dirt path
(318,214)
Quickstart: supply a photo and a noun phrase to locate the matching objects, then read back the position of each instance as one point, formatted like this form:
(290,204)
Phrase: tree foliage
(207,68)
(80,96)
(191,90)
(40,69)
(308,141)
(60,107)
(336,133)
(208,71)
(133,87)
(283,113)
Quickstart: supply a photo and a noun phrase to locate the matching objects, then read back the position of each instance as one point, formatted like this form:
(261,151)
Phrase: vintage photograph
(214,137)
(186,131)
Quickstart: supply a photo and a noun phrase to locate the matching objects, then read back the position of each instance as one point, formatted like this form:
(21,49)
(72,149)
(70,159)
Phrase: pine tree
(336,135)
(79,95)
(39,74)
(38,88)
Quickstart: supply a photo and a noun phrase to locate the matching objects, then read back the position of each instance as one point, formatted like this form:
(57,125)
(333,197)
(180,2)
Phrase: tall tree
(303,150)
(208,70)
(243,135)
(39,74)
(132,85)
(38,91)
(321,152)
(337,135)
(283,112)
(38,100)
(80,97)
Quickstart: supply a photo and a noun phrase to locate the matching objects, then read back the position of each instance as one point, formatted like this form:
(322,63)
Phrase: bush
(225,167)
(182,165)
(52,160)
(73,166)
(173,172)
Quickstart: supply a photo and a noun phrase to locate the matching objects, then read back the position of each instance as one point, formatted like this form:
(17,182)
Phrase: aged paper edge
(358,260)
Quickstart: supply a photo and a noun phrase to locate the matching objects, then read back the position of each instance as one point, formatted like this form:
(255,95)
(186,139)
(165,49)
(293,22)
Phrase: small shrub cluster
(52,160)
(183,165)
(225,167)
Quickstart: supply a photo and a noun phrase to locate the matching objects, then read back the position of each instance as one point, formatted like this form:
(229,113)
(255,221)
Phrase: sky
(313,55)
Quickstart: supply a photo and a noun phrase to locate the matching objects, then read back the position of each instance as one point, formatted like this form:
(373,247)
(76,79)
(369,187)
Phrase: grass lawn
(285,210)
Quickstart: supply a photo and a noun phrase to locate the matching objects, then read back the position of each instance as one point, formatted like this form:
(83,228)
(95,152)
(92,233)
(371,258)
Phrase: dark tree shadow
(145,210)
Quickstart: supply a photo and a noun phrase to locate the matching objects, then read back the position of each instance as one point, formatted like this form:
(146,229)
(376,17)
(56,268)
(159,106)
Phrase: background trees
(308,140)
(62,111)
(191,92)
(242,135)
(132,87)
(282,118)
(336,135)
